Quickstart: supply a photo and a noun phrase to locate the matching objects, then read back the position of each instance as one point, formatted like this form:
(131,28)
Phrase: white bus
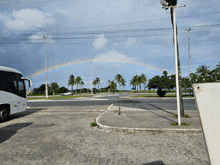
(12,92)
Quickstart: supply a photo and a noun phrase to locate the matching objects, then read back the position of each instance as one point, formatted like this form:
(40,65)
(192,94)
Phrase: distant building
(28,92)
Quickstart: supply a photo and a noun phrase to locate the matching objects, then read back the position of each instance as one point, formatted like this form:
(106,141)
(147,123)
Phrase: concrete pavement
(132,119)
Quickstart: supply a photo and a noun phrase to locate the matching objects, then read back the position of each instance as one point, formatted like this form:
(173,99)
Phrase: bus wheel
(3,115)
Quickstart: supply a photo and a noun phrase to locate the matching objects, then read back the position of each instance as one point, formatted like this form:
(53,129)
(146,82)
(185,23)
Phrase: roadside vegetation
(185,116)
(184,123)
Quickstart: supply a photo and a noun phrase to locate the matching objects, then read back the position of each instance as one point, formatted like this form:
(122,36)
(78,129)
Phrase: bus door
(21,98)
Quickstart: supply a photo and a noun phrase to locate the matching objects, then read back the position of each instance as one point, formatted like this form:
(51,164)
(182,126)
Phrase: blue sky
(128,37)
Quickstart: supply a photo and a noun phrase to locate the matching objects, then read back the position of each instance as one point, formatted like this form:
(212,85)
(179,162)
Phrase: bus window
(21,89)
(11,87)
(16,87)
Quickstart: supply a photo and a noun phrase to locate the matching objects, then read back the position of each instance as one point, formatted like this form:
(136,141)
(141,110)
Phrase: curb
(133,130)
(155,130)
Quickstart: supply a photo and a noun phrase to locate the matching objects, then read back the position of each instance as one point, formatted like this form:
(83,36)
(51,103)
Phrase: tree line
(162,84)
(165,83)
(52,89)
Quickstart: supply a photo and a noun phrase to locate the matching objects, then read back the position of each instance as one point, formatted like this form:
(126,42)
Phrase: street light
(176,60)
(189,50)
(91,79)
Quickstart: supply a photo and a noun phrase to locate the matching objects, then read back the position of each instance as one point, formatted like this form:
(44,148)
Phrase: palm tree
(174,3)
(94,83)
(203,70)
(139,81)
(81,83)
(218,67)
(123,82)
(71,81)
(97,82)
(108,85)
(135,82)
(144,80)
(118,78)
(54,86)
(77,81)
(113,86)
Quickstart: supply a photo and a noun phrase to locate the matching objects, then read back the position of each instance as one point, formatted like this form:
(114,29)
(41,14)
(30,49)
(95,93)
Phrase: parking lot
(62,135)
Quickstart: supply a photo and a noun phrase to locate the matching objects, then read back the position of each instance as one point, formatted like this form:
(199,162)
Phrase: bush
(161,93)
(93,124)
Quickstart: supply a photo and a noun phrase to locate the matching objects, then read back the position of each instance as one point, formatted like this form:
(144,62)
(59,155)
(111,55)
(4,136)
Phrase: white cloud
(130,41)
(116,57)
(27,19)
(113,56)
(100,41)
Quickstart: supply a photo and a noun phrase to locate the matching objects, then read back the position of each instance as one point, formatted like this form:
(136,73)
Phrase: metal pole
(53,75)
(189,51)
(45,68)
(176,65)
(91,79)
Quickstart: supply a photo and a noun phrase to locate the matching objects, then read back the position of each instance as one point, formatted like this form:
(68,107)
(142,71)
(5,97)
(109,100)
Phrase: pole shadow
(161,109)
(154,163)
(160,115)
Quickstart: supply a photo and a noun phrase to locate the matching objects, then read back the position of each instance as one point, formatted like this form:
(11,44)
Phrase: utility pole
(91,79)
(176,60)
(189,50)
(45,67)
(53,74)
(108,83)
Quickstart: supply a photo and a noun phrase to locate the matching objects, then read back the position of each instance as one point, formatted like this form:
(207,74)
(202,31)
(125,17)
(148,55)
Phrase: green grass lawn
(56,97)
(164,96)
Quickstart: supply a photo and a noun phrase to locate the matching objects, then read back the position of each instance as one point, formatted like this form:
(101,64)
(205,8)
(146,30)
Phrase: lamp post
(91,79)
(176,60)
(53,74)
(45,67)
(189,50)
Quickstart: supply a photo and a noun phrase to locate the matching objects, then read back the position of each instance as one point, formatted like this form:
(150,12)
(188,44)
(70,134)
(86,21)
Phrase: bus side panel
(22,102)
(9,98)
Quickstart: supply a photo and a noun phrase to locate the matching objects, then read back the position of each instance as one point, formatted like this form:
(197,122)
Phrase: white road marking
(110,106)
(66,100)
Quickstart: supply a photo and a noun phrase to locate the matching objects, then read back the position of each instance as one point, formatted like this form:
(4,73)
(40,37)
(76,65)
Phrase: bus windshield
(12,83)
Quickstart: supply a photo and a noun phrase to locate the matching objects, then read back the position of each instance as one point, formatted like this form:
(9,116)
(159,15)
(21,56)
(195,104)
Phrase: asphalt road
(146,103)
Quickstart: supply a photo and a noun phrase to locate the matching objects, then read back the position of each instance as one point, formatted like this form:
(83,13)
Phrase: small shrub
(174,124)
(184,123)
(93,124)
(175,116)
(186,116)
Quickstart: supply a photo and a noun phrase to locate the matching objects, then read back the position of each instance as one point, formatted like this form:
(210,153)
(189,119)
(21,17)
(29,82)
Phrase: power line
(30,2)
(127,31)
